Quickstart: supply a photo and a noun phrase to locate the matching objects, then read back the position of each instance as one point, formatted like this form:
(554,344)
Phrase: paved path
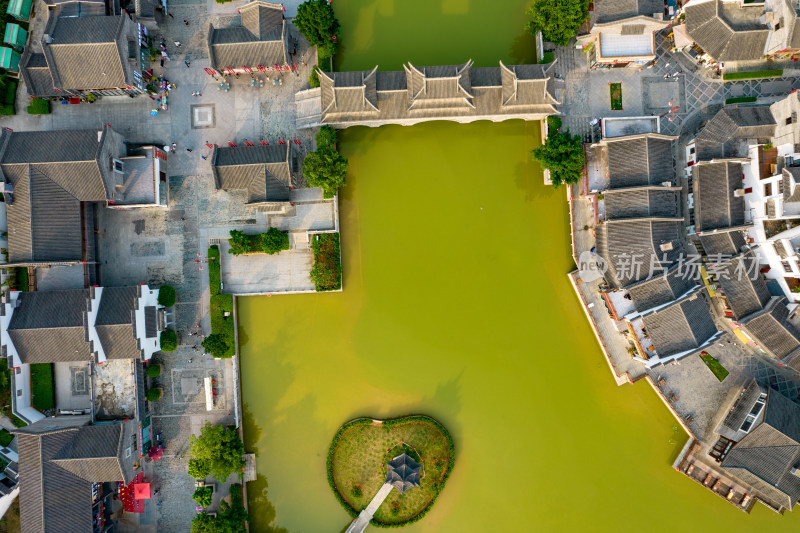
(361,523)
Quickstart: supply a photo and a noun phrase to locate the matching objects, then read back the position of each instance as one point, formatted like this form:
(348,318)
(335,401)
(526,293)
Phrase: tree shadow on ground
(260,509)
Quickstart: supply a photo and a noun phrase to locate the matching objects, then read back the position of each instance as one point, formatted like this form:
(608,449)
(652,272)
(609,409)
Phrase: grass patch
(39,106)
(220,304)
(327,271)
(715,366)
(547,57)
(42,386)
(741,99)
(356,472)
(753,74)
(616,96)
(5,437)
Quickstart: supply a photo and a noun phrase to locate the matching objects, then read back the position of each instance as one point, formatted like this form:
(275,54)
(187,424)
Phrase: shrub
(166,296)
(741,100)
(153,395)
(153,371)
(327,271)
(231,517)
(553,125)
(203,496)
(242,243)
(547,57)
(21,275)
(39,106)
(169,340)
(91,98)
(5,437)
(313,79)
(326,136)
(356,491)
(7,110)
(274,241)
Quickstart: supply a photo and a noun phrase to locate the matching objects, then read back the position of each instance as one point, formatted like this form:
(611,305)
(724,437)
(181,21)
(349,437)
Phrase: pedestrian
(178,44)
(174,145)
(203,156)
(162,61)
(194,93)
(188,149)
(187,62)
(170,15)
(190,360)
(186,22)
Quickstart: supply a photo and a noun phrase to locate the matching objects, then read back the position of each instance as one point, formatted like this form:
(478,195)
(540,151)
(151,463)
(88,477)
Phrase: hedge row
(221,326)
(753,74)
(390,423)
(741,99)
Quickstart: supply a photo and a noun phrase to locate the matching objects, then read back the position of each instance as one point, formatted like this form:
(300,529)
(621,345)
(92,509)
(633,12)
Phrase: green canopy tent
(20,9)
(15,36)
(9,59)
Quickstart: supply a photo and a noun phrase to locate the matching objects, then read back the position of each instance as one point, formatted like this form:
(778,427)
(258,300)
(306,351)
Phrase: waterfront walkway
(360,523)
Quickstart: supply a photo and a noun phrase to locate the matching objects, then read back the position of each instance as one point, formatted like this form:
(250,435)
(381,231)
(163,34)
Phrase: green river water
(456,304)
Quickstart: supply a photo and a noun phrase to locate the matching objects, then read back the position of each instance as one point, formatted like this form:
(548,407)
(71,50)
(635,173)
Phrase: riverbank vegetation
(316,21)
(217,451)
(561,154)
(327,271)
(271,242)
(222,341)
(558,20)
(325,167)
(356,465)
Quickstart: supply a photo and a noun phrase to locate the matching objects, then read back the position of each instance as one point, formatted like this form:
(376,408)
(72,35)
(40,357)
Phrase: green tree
(153,395)
(326,136)
(325,168)
(203,496)
(562,155)
(217,451)
(316,21)
(274,240)
(558,20)
(313,79)
(153,371)
(166,296)
(230,518)
(216,345)
(168,340)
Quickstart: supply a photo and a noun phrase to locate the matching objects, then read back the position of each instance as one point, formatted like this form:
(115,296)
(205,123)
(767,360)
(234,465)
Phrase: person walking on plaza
(178,44)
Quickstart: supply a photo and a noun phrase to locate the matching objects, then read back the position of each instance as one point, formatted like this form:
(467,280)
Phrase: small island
(368,458)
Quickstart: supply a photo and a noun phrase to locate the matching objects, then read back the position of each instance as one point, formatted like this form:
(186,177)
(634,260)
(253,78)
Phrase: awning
(141,491)
(209,394)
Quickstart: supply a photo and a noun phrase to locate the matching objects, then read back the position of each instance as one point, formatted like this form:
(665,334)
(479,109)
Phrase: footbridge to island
(362,521)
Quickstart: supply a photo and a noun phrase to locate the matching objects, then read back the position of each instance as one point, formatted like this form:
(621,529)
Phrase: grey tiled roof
(791,183)
(265,172)
(745,294)
(34,70)
(719,137)
(115,324)
(50,326)
(715,205)
(261,40)
(643,202)
(526,85)
(682,326)
(726,243)
(742,406)
(439,86)
(660,289)
(349,94)
(89,52)
(771,329)
(621,242)
(638,161)
(727,31)
(52,172)
(58,461)
(614,10)
(770,451)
